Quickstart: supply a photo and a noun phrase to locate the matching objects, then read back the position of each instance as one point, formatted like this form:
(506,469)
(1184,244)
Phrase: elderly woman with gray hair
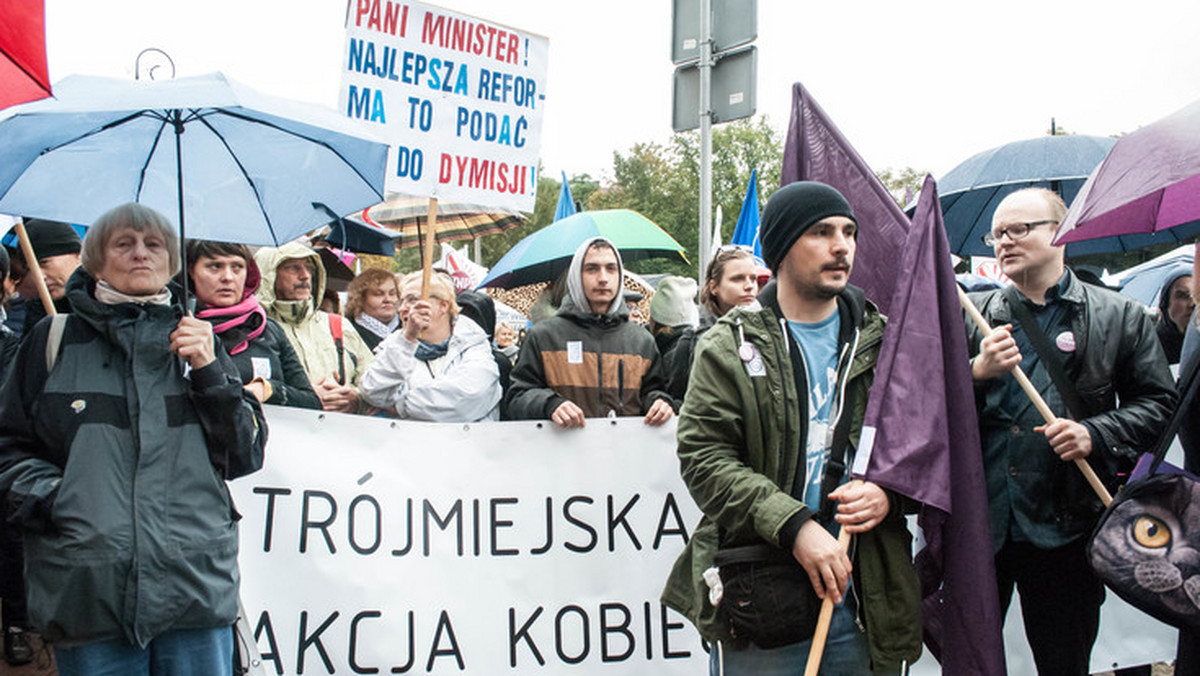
(118,429)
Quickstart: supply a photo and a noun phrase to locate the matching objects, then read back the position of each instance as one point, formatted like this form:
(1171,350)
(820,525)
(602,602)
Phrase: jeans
(846,652)
(182,652)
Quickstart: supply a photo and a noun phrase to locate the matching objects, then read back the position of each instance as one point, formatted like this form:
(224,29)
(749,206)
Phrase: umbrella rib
(146,165)
(102,128)
(241,168)
(247,118)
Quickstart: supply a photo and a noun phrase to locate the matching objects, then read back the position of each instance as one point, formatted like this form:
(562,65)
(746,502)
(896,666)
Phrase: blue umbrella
(242,166)
(971,191)
(1144,282)
(545,254)
(566,205)
(746,232)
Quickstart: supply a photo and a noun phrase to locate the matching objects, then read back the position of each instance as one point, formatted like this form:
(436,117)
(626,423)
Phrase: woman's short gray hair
(135,217)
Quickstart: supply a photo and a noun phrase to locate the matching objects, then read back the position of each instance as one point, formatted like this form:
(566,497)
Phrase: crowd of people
(122,416)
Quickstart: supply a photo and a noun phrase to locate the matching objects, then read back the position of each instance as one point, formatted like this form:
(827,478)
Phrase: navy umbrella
(971,191)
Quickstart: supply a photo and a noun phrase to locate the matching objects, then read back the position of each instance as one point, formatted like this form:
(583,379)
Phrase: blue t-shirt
(818,342)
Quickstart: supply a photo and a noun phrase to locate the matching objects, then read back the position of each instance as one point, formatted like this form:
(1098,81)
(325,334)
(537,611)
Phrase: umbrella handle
(31,262)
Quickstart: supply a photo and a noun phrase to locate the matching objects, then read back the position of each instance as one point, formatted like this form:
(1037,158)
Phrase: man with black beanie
(57,248)
(769,425)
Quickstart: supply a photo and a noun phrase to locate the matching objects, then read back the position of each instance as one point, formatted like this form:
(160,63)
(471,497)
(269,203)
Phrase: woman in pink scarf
(224,277)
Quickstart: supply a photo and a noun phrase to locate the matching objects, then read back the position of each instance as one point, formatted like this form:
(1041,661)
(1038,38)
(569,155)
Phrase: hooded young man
(768,428)
(333,354)
(589,361)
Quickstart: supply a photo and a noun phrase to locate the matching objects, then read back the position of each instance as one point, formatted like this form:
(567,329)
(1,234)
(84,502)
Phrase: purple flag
(816,151)
(921,439)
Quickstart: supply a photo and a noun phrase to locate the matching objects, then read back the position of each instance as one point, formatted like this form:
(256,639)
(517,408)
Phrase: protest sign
(461,100)
(448,548)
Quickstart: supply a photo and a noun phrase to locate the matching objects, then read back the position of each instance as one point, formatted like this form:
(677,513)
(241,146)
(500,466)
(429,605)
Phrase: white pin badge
(1065,341)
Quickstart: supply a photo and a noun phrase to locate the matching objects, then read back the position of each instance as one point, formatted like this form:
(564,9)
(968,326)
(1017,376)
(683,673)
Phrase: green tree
(903,184)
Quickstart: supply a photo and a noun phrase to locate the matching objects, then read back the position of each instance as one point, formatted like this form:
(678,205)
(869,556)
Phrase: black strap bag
(1146,546)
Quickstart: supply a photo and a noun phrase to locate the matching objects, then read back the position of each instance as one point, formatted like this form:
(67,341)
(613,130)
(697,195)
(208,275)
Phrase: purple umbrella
(1148,182)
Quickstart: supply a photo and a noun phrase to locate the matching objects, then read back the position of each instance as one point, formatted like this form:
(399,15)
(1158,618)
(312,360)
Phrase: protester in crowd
(56,246)
(731,280)
(13,612)
(672,311)
(440,366)
(772,416)
(481,309)
(114,450)
(633,301)
(333,354)
(1175,306)
(505,340)
(372,304)
(1041,509)
(224,278)
(588,360)
(673,315)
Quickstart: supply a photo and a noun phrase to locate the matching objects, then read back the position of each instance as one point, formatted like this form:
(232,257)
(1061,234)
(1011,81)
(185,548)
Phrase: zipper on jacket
(620,385)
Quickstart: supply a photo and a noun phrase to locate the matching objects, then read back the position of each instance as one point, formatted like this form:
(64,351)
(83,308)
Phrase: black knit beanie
(792,209)
(51,238)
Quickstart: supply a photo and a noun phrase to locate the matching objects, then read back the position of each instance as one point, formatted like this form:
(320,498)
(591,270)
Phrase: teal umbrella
(545,254)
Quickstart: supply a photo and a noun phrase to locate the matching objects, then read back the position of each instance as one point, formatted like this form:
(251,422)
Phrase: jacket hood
(268,260)
(467,334)
(480,308)
(575,302)
(1164,295)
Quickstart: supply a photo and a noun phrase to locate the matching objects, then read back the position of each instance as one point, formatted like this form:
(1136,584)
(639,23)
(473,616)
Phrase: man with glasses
(332,352)
(1041,508)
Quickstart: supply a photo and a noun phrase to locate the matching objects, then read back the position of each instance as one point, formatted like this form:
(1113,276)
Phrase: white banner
(462,98)
(493,548)
(482,549)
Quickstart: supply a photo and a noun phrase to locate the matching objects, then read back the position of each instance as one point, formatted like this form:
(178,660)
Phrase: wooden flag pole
(31,264)
(1036,398)
(430,239)
(823,620)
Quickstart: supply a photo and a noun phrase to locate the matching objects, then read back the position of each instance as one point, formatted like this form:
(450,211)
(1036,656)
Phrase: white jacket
(462,386)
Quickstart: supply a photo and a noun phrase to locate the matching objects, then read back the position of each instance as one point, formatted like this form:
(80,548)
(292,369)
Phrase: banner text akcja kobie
(446,548)
(460,98)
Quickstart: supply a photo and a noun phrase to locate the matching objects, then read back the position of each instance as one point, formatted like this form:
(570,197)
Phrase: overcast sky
(924,84)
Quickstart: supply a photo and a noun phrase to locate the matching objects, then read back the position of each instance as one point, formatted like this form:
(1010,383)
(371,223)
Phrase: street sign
(734,23)
(733,94)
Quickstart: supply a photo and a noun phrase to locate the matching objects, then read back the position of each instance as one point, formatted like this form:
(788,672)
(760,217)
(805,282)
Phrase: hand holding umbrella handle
(1036,398)
(35,269)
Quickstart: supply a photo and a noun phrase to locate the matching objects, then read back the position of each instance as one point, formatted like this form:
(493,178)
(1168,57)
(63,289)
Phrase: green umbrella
(545,254)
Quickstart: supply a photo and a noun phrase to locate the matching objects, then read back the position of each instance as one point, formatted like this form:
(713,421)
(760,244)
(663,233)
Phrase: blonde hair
(440,287)
(135,217)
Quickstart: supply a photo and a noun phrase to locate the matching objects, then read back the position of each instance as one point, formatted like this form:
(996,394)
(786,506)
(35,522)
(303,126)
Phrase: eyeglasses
(1015,231)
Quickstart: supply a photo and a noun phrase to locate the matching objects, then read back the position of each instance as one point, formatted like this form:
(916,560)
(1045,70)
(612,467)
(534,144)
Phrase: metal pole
(706,63)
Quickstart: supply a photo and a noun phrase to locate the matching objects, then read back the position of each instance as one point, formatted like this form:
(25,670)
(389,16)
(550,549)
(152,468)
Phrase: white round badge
(1065,341)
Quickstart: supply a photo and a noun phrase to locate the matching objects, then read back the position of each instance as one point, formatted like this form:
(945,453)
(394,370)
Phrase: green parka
(741,442)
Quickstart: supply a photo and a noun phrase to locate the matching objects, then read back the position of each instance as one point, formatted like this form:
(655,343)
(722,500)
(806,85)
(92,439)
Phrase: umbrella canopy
(1149,184)
(1144,281)
(242,166)
(971,191)
(364,238)
(545,254)
(24,75)
(455,220)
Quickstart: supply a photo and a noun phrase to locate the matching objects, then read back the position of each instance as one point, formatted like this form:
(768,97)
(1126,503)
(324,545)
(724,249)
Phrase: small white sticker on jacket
(574,351)
(862,457)
(262,367)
